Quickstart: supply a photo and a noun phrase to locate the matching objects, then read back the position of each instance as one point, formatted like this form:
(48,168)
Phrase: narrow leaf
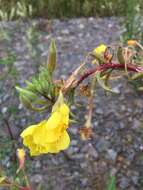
(102,83)
(26,93)
(112,183)
(137,76)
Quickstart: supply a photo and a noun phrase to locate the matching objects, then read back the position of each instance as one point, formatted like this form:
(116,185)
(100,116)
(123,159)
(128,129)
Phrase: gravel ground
(117,145)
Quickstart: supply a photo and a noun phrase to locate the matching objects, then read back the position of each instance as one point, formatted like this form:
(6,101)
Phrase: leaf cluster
(39,93)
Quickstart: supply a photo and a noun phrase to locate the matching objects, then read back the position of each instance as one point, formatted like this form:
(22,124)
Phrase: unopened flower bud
(132,42)
(52,57)
(21,158)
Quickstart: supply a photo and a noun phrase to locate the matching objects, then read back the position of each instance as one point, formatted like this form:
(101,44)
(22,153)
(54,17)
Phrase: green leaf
(102,83)
(137,76)
(26,93)
(25,101)
(140,88)
(70,95)
(73,116)
(44,83)
(111,183)
(6,61)
(30,86)
(107,77)
(100,59)
(36,84)
(73,121)
(39,109)
(41,102)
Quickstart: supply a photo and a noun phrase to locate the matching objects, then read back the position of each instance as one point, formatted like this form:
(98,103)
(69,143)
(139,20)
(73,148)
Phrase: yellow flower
(99,50)
(49,136)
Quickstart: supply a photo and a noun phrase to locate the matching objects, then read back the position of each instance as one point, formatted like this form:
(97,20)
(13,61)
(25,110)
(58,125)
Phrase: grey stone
(111,154)
(84,182)
(4,110)
(124,183)
(99,111)
(136,124)
(37,178)
(135,179)
(102,144)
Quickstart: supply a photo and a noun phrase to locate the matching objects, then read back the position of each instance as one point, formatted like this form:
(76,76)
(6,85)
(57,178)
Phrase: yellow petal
(28,131)
(61,144)
(64,109)
(43,135)
(54,147)
(58,103)
(100,49)
(53,121)
(64,142)
(37,150)
(28,140)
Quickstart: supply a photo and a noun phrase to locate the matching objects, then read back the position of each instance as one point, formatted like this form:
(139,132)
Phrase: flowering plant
(44,92)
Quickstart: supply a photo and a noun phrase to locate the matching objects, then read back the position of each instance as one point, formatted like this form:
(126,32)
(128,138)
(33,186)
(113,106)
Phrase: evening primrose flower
(49,136)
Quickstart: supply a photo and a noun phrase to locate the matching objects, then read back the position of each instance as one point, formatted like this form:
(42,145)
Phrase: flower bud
(21,158)
(52,57)
(132,42)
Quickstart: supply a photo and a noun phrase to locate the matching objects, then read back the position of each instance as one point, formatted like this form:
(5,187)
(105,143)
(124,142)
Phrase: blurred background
(78,26)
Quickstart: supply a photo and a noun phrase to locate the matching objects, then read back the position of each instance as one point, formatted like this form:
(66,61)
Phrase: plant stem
(130,67)
(12,138)
(90,103)
(9,129)
(28,184)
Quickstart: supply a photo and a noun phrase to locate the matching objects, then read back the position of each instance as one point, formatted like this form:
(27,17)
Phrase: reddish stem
(104,67)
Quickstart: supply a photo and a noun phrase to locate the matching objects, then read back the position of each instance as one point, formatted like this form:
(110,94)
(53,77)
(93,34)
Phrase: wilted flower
(4,181)
(86,133)
(100,49)
(49,136)
(85,90)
